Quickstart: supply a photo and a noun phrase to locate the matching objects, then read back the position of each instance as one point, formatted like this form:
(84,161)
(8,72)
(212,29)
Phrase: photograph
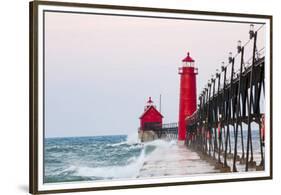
(126,97)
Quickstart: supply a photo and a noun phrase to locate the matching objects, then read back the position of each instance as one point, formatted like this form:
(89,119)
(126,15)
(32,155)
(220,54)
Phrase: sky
(100,70)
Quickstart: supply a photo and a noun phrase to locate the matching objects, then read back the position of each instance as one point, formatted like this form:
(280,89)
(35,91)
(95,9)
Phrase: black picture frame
(33,95)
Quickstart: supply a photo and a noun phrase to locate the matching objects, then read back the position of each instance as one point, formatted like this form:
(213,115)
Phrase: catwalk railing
(229,108)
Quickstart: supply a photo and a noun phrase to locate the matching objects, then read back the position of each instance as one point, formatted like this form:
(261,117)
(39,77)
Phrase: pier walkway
(175,160)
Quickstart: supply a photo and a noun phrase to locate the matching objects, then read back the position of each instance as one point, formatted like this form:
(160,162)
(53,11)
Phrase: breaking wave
(97,158)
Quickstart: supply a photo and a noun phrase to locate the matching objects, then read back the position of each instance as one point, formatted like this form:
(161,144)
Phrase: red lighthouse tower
(187,104)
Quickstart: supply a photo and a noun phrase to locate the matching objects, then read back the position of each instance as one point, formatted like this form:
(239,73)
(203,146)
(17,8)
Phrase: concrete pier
(175,160)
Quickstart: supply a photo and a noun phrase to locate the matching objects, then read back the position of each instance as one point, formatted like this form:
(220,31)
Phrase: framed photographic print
(129,97)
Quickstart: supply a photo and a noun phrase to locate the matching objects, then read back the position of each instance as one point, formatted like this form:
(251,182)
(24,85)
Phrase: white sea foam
(118,144)
(132,138)
(161,144)
(162,148)
(129,171)
(66,171)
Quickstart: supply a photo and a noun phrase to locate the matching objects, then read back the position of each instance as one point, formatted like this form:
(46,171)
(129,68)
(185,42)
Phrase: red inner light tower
(188,97)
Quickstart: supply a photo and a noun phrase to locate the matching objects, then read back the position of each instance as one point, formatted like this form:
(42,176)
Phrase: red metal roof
(147,110)
(187,58)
